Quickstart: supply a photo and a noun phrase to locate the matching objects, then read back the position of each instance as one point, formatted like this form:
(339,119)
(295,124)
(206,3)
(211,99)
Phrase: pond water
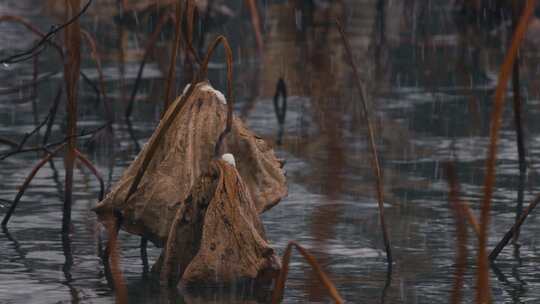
(430,77)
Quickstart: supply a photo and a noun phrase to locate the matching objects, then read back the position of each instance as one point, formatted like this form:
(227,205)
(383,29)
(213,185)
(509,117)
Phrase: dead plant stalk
(373,147)
(460,215)
(277,294)
(71,76)
(482,283)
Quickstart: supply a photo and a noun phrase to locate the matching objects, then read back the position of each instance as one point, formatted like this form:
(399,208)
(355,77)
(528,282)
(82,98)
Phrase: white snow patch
(229,158)
(206,87)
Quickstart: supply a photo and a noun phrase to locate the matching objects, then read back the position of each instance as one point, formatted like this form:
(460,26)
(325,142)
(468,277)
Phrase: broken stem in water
(373,147)
(515,228)
(277,294)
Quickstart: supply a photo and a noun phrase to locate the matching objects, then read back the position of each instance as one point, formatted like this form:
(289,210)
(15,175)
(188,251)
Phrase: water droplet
(5,65)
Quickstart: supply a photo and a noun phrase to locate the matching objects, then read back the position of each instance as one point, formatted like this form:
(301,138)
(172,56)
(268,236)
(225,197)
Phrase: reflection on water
(430,81)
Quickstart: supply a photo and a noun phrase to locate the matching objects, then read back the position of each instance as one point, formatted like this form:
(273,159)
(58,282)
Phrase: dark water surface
(430,78)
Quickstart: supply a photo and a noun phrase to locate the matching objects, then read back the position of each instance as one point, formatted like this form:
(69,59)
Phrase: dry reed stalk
(482,284)
(515,228)
(277,294)
(170,86)
(517,99)
(26,183)
(46,148)
(144,254)
(53,111)
(518,122)
(94,171)
(256,23)
(113,259)
(230,97)
(71,75)
(31,28)
(91,42)
(190,21)
(471,218)
(35,71)
(34,131)
(280,109)
(191,9)
(8,142)
(24,85)
(147,51)
(45,38)
(460,215)
(373,147)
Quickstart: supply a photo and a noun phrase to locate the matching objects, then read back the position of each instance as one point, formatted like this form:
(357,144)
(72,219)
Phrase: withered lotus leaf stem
(373,147)
(277,294)
(26,183)
(515,228)
(482,282)
(171,77)
(71,76)
(458,208)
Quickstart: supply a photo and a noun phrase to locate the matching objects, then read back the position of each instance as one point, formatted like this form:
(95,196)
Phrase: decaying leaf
(183,156)
(217,236)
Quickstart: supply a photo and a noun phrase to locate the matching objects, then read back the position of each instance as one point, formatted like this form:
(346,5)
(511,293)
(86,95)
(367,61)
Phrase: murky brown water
(430,81)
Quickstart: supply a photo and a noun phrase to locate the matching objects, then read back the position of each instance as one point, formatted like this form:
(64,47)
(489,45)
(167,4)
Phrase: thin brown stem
(112,256)
(256,23)
(94,171)
(515,228)
(482,283)
(33,29)
(460,218)
(518,121)
(171,77)
(373,147)
(277,294)
(91,42)
(8,142)
(52,115)
(471,218)
(147,51)
(230,97)
(26,183)
(71,76)
(191,10)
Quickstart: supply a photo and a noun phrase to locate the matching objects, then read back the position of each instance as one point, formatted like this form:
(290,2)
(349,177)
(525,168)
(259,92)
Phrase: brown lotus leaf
(217,236)
(184,153)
